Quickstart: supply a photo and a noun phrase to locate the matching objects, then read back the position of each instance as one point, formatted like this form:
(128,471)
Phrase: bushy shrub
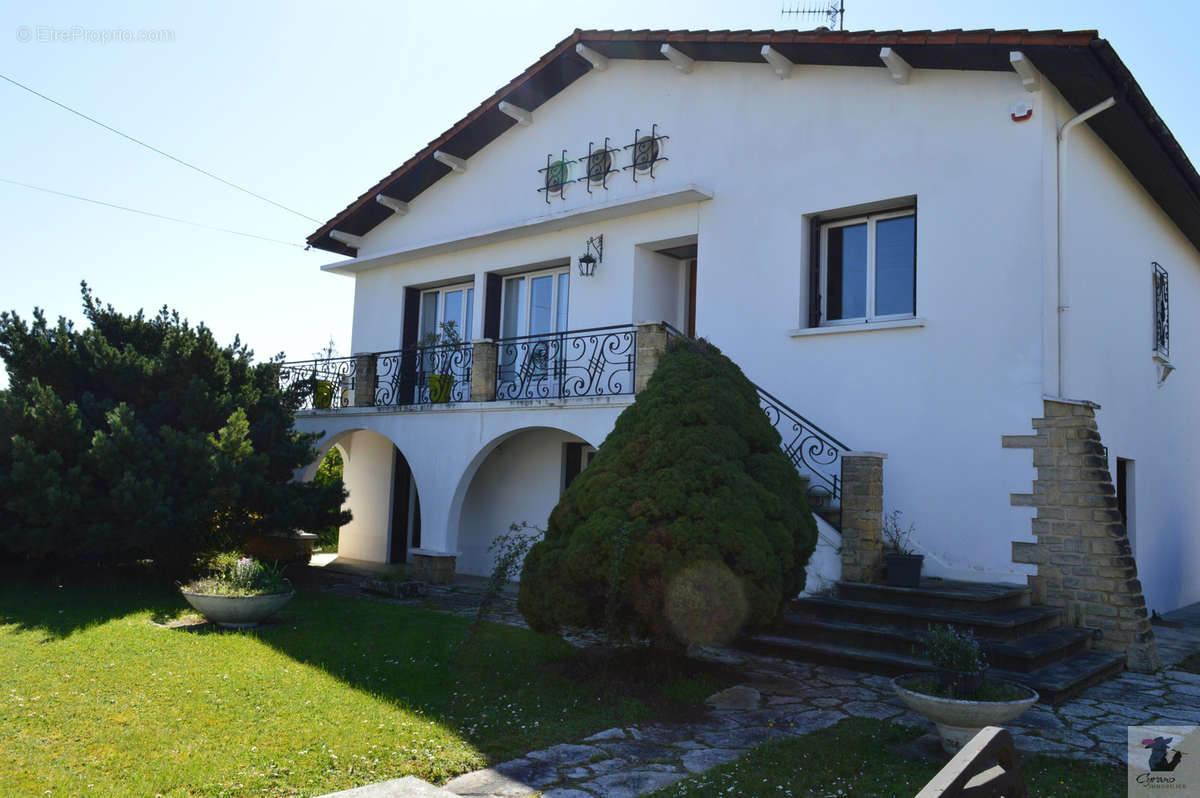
(143,438)
(689,524)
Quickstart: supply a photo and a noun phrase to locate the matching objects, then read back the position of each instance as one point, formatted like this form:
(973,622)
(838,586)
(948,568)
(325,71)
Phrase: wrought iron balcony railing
(595,362)
(419,375)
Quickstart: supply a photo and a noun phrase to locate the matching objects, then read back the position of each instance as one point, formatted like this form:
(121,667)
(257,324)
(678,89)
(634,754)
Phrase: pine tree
(143,437)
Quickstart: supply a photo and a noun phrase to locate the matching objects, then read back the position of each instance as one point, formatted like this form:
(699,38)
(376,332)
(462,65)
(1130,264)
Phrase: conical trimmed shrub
(689,525)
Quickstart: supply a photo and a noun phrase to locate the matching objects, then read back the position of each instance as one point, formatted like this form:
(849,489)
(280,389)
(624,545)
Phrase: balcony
(601,361)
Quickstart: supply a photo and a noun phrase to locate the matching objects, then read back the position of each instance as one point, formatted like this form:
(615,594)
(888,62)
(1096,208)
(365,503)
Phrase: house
(946,248)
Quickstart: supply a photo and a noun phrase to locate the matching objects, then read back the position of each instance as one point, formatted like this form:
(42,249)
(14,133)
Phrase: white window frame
(870,219)
(527,304)
(468,290)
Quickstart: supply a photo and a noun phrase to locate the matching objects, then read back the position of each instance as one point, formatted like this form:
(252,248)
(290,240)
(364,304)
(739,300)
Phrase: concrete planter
(959,720)
(237,612)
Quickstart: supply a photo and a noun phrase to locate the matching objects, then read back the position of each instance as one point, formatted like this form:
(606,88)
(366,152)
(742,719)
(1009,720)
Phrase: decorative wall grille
(1162,314)
(600,163)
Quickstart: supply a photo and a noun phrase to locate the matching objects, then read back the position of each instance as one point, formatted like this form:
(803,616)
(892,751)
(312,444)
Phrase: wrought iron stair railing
(815,453)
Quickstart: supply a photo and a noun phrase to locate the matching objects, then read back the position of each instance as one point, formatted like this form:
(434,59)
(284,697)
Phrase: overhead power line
(148,213)
(141,143)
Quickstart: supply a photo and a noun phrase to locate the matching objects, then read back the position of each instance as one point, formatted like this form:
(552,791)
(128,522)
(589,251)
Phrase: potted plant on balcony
(438,377)
(322,389)
(957,696)
(239,593)
(903,565)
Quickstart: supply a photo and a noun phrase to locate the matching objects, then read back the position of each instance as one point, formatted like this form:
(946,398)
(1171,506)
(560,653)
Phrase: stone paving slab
(407,787)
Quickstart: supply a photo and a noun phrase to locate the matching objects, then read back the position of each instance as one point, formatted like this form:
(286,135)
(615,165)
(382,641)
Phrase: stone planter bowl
(237,612)
(959,720)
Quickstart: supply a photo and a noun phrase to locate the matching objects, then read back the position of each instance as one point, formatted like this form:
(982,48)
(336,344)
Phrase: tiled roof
(1083,67)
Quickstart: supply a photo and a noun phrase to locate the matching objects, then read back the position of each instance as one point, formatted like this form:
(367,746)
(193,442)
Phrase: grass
(857,757)
(99,700)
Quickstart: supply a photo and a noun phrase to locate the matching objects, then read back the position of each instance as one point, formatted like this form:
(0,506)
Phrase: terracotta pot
(237,612)
(959,720)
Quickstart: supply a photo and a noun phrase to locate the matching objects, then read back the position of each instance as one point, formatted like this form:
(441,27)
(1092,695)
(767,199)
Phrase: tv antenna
(833,10)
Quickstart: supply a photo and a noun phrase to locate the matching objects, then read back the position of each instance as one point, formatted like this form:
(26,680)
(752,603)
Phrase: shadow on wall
(521,479)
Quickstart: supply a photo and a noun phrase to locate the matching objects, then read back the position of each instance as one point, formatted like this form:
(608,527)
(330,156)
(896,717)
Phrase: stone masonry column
(364,381)
(483,370)
(1084,562)
(651,346)
(862,516)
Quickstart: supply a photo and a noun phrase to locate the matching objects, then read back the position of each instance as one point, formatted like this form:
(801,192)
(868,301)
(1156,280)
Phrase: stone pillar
(432,567)
(364,381)
(1084,562)
(651,346)
(862,516)
(483,370)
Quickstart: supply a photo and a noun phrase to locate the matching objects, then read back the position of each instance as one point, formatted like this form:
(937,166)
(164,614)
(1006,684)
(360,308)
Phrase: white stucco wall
(445,447)
(936,398)
(1113,231)
(367,465)
(521,480)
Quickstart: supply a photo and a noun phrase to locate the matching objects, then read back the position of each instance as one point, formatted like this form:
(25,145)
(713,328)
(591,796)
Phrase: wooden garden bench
(986,767)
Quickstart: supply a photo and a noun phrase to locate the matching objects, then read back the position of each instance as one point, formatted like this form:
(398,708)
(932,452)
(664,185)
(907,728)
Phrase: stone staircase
(879,629)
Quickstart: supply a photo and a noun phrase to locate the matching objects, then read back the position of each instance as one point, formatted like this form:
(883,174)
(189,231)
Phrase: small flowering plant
(241,576)
(958,657)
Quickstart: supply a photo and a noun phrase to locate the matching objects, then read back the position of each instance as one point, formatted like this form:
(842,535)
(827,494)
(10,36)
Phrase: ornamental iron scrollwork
(418,375)
(599,164)
(323,384)
(595,362)
(815,453)
(1162,313)
(647,151)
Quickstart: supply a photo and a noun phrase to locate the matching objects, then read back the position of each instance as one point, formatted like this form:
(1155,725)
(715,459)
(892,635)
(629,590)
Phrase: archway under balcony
(382,496)
(516,477)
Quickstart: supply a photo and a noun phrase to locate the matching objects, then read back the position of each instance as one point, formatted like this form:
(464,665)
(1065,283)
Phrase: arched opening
(330,469)
(383,498)
(520,478)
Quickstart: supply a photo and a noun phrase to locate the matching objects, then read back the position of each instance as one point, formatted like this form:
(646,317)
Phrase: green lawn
(854,758)
(96,699)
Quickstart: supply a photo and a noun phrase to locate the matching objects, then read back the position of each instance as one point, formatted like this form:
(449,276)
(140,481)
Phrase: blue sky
(311,103)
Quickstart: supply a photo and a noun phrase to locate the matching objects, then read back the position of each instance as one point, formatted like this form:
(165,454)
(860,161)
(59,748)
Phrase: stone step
(1037,651)
(1007,624)
(946,594)
(1055,683)
(407,787)
(1022,655)
(1064,680)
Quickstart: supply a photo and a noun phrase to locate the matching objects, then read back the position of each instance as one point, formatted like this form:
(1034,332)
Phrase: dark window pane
(895,266)
(846,284)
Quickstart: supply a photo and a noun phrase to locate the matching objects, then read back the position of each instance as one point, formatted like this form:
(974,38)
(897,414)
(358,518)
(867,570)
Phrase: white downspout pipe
(1062,187)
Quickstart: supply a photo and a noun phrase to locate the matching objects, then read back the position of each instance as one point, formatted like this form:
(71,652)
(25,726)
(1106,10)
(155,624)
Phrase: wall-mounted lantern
(592,254)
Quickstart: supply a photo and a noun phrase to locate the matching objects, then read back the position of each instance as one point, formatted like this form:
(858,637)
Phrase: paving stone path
(780,698)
